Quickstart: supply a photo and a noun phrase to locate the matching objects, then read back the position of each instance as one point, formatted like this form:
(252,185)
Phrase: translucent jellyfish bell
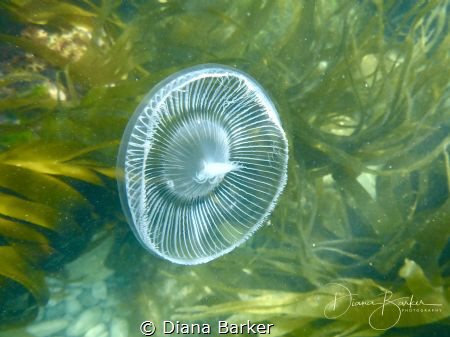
(204,159)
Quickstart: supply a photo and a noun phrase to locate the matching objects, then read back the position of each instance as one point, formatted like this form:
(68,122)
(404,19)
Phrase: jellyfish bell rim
(271,111)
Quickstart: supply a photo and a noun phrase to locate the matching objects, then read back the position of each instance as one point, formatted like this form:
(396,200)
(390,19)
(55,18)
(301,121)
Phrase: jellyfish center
(199,158)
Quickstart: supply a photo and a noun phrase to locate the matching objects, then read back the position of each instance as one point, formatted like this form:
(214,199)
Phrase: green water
(362,90)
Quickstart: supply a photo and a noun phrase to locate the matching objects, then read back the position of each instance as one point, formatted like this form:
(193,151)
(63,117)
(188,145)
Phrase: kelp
(363,92)
(298,311)
(49,183)
(43,218)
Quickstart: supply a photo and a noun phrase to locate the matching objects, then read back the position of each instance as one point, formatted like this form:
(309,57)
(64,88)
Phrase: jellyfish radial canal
(196,158)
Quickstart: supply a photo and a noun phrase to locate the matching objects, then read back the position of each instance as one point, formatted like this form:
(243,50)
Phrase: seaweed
(363,92)
(42,218)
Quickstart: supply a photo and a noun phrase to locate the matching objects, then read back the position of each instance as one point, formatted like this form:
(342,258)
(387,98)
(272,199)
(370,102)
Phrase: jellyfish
(203,162)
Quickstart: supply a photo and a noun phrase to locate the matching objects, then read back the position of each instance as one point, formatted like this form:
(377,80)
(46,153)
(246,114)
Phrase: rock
(73,306)
(85,321)
(54,312)
(119,328)
(52,302)
(74,292)
(87,300)
(107,315)
(47,328)
(81,268)
(54,282)
(99,290)
(111,301)
(96,331)
(41,314)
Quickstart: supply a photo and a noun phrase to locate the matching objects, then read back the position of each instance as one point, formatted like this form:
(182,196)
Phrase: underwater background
(363,93)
